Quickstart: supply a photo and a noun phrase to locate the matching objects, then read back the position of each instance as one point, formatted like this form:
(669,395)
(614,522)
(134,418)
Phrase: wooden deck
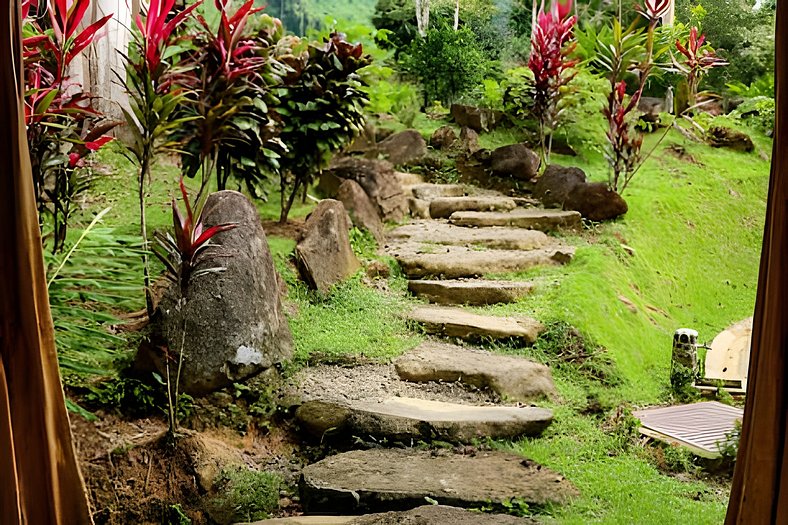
(699,427)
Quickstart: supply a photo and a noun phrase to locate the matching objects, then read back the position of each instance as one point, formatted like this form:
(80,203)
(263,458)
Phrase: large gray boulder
(230,324)
(324,256)
(363,212)
(378,179)
(405,147)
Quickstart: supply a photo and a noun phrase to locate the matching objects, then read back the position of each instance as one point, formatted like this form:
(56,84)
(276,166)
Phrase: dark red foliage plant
(697,59)
(62,126)
(632,51)
(552,45)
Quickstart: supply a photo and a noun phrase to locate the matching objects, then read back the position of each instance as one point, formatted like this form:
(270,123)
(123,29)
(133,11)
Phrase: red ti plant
(551,46)
(631,51)
(154,100)
(190,237)
(62,127)
(698,60)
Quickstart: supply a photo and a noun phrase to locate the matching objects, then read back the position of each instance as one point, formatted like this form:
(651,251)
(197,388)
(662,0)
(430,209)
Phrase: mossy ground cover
(686,255)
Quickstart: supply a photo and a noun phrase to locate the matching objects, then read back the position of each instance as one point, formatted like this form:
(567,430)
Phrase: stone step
(408,179)
(531,218)
(475,292)
(512,377)
(443,207)
(424,515)
(429,192)
(456,322)
(454,262)
(440,232)
(379,479)
(407,419)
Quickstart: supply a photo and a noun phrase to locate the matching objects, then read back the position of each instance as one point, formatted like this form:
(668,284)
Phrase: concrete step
(380,479)
(429,192)
(454,262)
(440,232)
(403,419)
(443,207)
(531,218)
(512,377)
(475,292)
(456,322)
(424,515)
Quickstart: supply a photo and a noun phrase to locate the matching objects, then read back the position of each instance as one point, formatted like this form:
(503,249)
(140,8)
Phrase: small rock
(378,179)
(515,160)
(722,137)
(378,270)
(323,255)
(419,208)
(556,183)
(405,147)
(443,138)
(469,141)
(363,212)
(478,119)
(596,202)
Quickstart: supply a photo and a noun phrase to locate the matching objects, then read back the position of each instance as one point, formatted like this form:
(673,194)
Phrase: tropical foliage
(322,107)
(62,126)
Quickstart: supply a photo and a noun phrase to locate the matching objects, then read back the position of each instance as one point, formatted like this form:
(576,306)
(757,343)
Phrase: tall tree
(423,16)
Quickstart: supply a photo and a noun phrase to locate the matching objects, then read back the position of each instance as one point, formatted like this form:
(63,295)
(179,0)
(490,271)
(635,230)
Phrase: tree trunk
(423,16)
(457,15)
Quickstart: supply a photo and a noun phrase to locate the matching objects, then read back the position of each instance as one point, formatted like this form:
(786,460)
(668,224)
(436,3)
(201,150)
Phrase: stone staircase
(441,392)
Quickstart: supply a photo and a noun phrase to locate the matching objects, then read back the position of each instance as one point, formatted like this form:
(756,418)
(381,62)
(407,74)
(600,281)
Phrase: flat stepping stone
(434,191)
(512,377)
(474,292)
(456,322)
(439,232)
(531,218)
(443,207)
(424,515)
(380,479)
(454,262)
(408,179)
(408,419)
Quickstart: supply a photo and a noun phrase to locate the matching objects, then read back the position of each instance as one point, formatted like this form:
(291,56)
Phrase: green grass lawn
(686,255)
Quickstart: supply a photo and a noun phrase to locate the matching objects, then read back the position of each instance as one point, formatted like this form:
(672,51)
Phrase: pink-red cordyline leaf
(85,38)
(210,232)
(78,9)
(73,159)
(95,145)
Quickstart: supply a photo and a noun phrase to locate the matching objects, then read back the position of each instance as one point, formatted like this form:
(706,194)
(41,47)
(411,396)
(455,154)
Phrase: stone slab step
(455,262)
(408,179)
(531,218)
(407,419)
(512,377)
(475,292)
(440,232)
(424,515)
(380,479)
(443,207)
(456,322)
(434,191)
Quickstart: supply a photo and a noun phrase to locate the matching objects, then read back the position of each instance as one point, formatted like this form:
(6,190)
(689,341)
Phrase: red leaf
(73,159)
(95,145)
(84,39)
(210,232)
(75,17)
